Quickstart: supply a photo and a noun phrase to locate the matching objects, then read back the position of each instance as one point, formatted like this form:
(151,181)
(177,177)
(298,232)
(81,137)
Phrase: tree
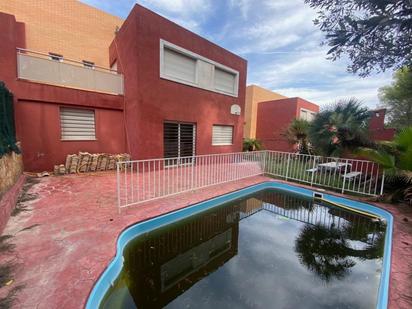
(340,128)
(375,34)
(397,98)
(395,158)
(297,134)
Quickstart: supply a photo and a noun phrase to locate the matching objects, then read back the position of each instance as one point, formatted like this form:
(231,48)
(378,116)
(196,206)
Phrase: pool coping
(111,272)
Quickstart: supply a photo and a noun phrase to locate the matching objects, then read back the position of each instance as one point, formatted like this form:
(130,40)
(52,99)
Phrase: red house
(377,128)
(168,93)
(273,118)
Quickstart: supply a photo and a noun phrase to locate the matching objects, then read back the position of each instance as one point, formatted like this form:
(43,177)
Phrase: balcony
(40,68)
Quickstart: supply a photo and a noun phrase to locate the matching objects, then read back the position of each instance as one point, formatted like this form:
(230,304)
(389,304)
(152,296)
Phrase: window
(312,116)
(180,65)
(307,115)
(77,124)
(88,64)
(179,142)
(304,114)
(224,81)
(222,135)
(56,57)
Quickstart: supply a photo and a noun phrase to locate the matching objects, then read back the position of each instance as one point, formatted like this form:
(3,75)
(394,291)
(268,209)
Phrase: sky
(276,37)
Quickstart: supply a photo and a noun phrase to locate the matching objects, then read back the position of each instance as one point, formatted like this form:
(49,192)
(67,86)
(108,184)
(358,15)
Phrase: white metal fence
(348,175)
(145,180)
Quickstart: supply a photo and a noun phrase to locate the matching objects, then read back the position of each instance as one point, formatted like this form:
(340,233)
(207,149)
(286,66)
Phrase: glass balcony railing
(39,67)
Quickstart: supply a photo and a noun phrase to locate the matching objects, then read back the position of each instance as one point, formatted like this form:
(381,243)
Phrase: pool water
(270,249)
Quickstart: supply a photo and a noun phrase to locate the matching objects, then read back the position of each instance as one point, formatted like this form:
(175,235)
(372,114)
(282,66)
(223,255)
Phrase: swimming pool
(269,245)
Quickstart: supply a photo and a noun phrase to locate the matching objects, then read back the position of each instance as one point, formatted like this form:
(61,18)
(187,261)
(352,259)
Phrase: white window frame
(89,64)
(224,125)
(55,57)
(308,112)
(76,139)
(165,44)
(176,79)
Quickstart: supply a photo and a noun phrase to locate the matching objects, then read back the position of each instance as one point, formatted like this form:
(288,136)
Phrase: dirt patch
(25,196)
(8,288)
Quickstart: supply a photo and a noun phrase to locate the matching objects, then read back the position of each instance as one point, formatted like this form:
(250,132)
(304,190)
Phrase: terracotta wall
(149,100)
(37,110)
(273,118)
(152,100)
(255,95)
(377,128)
(40,135)
(67,27)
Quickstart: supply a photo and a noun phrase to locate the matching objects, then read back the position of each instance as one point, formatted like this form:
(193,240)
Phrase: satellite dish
(235,109)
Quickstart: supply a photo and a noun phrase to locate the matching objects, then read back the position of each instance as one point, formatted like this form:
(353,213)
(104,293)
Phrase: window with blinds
(77,124)
(178,65)
(307,115)
(225,81)
(185,67)
(222,135)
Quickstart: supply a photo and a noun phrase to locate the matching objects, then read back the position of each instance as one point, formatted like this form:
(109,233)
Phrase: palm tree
(341,128)
(395,157)
(297,134)
(328,253)
(251,144)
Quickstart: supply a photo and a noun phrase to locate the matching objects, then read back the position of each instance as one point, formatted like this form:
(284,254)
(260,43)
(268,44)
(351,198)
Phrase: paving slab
(68,236)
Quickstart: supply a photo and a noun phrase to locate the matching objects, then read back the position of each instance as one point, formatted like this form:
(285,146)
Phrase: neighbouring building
(377,128)
(268,114)
(69,28)
(84,80)
(255,95)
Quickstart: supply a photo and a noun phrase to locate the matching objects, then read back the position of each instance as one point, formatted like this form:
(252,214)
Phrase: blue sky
(278,39)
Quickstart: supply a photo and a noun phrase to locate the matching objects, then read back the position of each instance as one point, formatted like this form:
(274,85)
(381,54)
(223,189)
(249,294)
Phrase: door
(179,142)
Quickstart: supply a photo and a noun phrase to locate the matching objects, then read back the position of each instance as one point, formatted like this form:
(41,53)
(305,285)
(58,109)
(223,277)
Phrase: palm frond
(384,159)
(404,139)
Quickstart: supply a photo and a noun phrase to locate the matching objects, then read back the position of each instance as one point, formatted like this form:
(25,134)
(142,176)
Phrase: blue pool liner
(113,270)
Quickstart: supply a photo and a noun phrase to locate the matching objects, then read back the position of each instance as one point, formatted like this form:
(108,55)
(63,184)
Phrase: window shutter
(225,81)
(303,114)
(179,66)
(171,139)
(77,124)
(187,140)
(222,135)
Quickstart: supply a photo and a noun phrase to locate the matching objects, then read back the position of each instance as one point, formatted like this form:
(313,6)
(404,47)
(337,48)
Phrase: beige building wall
(254,95)
(67,27)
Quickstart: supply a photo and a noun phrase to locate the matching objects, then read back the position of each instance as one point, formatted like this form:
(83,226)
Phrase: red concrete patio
(74,224)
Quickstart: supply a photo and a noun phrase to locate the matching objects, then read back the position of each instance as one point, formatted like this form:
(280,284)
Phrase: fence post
(264,162)
(313,171)
(344,178)
(118,185)
(287,167)
(382,182)
(193,173)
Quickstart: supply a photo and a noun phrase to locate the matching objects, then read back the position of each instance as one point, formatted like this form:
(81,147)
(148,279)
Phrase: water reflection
(326,244)
(205,254)
(329,253)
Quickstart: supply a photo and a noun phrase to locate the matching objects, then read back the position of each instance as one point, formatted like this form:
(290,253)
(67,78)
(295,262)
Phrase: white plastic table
(332,166)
